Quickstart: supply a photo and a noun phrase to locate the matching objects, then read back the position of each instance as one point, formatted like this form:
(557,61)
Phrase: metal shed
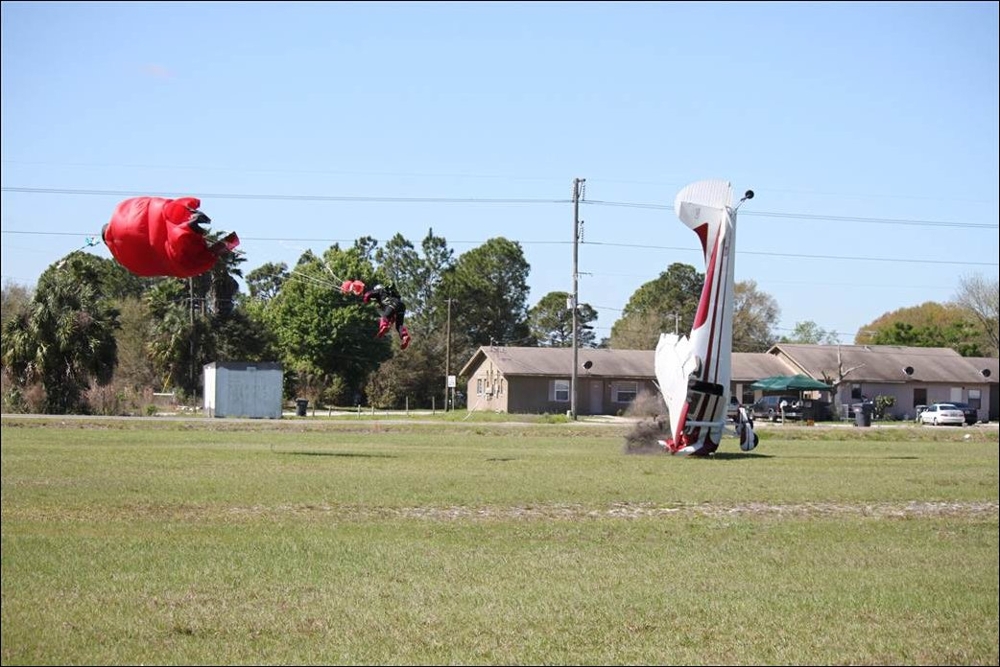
(243,389)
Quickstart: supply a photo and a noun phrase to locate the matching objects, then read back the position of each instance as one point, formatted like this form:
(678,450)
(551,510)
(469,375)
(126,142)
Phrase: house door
(596,397)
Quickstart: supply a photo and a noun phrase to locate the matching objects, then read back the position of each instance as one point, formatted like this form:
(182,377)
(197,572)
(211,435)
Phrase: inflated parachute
(155,236)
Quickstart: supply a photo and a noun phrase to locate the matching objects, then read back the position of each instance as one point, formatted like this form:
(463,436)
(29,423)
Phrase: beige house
(912,375)
(537,379)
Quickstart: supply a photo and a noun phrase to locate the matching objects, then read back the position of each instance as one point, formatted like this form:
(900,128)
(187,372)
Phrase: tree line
(90,337)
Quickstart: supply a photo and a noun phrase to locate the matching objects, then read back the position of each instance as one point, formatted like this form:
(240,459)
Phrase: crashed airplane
(693,372)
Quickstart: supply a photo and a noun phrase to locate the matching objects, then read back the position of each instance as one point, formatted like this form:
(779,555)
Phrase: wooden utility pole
(447,356)
(577,193)
(191,361)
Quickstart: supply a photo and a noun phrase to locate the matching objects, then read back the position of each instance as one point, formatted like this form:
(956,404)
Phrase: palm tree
(64,340)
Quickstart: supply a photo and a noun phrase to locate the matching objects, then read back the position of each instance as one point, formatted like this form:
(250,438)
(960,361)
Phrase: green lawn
(370,541)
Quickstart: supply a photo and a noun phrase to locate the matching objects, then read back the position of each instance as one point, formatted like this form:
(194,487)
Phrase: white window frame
(619,388)
(559,391)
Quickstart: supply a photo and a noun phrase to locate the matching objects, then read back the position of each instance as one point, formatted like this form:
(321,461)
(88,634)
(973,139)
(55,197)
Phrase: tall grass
(203,542)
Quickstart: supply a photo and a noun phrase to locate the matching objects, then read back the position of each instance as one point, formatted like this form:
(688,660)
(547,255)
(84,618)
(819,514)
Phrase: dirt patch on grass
(542,512)
(640,511)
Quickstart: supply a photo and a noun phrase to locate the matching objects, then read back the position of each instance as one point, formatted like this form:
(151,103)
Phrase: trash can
(300,406)
(864,415)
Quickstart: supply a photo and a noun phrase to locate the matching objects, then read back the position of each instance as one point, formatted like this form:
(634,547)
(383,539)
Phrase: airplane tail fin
(702,205)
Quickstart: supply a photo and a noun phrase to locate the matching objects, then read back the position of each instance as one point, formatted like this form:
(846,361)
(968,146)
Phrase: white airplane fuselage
(694,371)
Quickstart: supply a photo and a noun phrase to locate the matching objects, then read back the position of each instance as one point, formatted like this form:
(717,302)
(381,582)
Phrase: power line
(343,172)
(335,198)
(519,177)
(595,243)
(810,216)
(500,200)
(805,256)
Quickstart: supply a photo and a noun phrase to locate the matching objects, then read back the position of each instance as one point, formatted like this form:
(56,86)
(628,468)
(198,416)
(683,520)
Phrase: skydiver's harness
(388,300)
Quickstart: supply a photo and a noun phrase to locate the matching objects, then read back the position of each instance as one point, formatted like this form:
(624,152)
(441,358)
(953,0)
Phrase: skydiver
(391,305)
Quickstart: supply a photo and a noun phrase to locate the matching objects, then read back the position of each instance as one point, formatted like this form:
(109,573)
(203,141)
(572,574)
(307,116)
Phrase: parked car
(971,414)
(769,407)
(817,410)
(942,413)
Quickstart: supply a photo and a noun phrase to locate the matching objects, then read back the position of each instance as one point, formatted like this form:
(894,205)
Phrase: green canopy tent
(798,384)
(790,383)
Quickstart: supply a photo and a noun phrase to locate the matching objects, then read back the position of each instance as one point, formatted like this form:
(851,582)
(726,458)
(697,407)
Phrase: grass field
(371,541)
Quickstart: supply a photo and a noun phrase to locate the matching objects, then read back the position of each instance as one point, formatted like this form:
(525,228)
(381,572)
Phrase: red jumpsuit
(150,236)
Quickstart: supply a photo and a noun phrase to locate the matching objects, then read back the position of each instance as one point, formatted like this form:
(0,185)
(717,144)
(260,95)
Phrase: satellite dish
(986,372)
(588,364)
(908,370)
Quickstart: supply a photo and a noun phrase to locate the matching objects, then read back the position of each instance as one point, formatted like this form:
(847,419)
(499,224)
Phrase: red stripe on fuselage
(714,279)
(702,314)
(702,232)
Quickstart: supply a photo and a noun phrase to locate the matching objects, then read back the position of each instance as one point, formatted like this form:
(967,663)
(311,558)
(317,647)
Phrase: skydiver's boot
(383,326)
(404,338)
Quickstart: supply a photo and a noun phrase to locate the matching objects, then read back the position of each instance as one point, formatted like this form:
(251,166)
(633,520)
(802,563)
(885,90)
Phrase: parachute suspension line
(330,271)
(313,279)
(89,242)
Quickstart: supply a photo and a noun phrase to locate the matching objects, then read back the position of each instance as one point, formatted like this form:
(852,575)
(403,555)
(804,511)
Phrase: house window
(975,399)
(559,391)
(624,392)
(856,392)
(919,396)
(479,386)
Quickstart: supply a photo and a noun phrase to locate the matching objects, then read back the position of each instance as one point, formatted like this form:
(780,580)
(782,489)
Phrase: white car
(942,413)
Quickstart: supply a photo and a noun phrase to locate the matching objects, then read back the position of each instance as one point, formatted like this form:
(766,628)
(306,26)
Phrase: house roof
(881,363)
(876,363)
(752,366)
(558,361)
(987,367)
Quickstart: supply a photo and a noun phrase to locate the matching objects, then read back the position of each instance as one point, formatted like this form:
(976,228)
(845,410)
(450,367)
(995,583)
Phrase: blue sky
(869,132)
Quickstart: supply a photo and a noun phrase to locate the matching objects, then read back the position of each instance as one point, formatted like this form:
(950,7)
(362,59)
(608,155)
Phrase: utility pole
(577,193)
(447,356)
(191,362)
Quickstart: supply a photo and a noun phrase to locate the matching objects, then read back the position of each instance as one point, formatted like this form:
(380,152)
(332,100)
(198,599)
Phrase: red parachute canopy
(153,236)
